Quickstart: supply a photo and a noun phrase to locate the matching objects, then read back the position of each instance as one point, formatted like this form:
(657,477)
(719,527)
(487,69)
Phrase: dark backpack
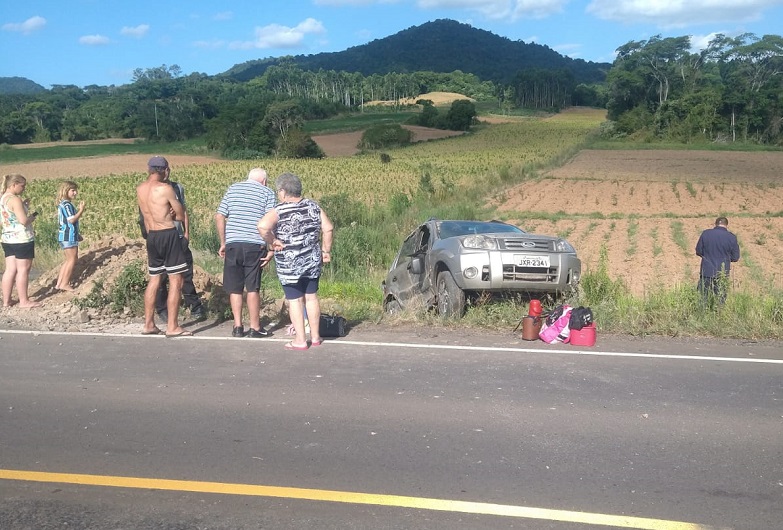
(580,317)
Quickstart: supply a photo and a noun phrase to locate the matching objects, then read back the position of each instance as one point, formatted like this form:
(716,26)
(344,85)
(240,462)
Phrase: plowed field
(646,209)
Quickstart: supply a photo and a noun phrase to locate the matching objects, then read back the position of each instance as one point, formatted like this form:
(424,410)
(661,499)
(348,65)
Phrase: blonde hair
(10,180)
(65,187)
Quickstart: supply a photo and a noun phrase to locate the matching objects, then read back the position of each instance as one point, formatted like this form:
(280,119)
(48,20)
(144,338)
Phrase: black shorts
(242,267)
(19,250)
(164,252)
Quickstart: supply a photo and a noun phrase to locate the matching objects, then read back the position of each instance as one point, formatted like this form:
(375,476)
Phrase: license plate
(524,260)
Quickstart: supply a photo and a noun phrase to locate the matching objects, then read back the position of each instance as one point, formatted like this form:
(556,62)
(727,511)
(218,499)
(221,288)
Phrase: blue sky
(101,42)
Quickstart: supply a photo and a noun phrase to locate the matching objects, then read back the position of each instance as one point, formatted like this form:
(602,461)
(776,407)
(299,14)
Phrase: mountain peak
(442,46)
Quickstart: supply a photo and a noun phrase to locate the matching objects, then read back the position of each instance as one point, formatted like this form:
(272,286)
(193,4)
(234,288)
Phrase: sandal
(292,346)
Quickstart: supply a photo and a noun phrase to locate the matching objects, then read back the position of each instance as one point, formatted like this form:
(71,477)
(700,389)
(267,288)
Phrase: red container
(584,336)
(535,308)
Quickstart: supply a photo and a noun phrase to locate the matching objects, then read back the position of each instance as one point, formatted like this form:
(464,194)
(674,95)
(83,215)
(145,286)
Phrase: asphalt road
(400,430)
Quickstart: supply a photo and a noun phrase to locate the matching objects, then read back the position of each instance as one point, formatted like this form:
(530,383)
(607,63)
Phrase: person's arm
(266,227)
(735,251)
(19,208)
(180,193)
(174,205)
(220,224)
(327,233)
(700,246)
(76,216)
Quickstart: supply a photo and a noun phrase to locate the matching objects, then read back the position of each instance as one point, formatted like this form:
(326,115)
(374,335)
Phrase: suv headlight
(561,245)
(480,241)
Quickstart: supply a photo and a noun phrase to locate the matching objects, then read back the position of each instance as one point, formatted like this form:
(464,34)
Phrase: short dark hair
(721,221)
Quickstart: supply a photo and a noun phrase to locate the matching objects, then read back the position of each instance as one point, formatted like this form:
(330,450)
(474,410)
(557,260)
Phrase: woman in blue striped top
(68,234)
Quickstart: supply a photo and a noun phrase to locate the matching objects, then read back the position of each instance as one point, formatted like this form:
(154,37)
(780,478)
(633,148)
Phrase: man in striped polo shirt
(243,250)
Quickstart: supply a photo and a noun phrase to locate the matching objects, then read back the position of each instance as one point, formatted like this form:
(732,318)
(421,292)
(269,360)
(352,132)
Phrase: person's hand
(326,257)
(277,245)
(81,206)
(266,259)
(222,251)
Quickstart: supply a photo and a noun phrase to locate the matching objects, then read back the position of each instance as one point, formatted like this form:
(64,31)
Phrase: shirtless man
(160,208)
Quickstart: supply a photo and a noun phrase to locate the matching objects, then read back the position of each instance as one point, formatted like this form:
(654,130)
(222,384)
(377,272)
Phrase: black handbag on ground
(332,326)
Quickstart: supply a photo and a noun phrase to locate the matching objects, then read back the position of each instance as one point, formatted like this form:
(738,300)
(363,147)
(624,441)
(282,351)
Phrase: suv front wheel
(451,299)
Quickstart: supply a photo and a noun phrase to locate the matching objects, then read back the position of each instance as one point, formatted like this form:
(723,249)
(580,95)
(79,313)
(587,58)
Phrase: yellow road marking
(506,510)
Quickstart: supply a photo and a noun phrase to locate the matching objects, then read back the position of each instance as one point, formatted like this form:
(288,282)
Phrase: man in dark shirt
(718,249)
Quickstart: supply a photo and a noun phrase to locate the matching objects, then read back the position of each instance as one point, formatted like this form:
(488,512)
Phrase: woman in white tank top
(18,240)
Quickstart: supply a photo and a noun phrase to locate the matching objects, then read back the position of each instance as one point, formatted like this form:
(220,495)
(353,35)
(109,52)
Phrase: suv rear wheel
(451,299)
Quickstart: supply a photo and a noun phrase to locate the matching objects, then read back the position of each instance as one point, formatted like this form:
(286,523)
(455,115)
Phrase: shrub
(128,291)
(343,210)
(384,136)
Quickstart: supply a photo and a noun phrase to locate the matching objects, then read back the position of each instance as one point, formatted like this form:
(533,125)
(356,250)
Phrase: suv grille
(512,273)
(517,244)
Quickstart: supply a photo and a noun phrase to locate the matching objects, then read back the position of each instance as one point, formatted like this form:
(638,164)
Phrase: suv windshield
(463,228)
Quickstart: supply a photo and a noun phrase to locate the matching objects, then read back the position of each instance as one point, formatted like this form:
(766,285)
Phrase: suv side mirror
(417,265)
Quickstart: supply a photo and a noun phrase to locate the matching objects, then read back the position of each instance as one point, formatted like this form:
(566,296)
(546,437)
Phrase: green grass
(56,152)
(357,121)
(625,144)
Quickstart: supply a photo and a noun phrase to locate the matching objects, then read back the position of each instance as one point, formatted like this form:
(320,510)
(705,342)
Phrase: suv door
(407,277)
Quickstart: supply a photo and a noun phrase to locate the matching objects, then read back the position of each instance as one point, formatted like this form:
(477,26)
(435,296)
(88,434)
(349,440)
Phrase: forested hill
(19,85)
(439,46)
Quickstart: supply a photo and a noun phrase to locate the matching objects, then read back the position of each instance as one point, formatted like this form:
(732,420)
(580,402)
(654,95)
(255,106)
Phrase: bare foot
(30,305)
(66,288)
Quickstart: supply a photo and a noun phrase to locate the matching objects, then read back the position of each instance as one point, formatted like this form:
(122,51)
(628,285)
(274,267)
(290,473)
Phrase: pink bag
(555,329)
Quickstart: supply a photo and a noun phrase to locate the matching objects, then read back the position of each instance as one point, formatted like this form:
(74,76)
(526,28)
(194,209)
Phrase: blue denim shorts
(68,244)
(304,286)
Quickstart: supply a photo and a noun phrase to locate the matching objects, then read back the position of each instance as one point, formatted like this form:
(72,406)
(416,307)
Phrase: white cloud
(224,15)
(500,9)
(93,40)
(277,36)
(679,13)
(28,26)
(138,31)
(700,42)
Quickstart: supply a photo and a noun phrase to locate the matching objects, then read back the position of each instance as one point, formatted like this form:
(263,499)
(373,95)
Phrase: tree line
(730,91)
(656,89)
(242,119)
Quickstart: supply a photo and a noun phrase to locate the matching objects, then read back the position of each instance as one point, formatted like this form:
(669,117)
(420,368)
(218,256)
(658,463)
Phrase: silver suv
(441,262)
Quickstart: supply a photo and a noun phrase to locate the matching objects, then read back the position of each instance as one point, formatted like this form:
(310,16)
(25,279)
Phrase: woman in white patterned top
(300,234)
(18,240)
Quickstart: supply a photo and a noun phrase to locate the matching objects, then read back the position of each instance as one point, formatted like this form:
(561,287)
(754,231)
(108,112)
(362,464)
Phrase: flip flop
(155,331)
(291,346)
(316,342)
(183,333)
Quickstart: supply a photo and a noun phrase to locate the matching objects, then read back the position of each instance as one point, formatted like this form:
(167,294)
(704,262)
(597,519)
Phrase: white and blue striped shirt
(243,205)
